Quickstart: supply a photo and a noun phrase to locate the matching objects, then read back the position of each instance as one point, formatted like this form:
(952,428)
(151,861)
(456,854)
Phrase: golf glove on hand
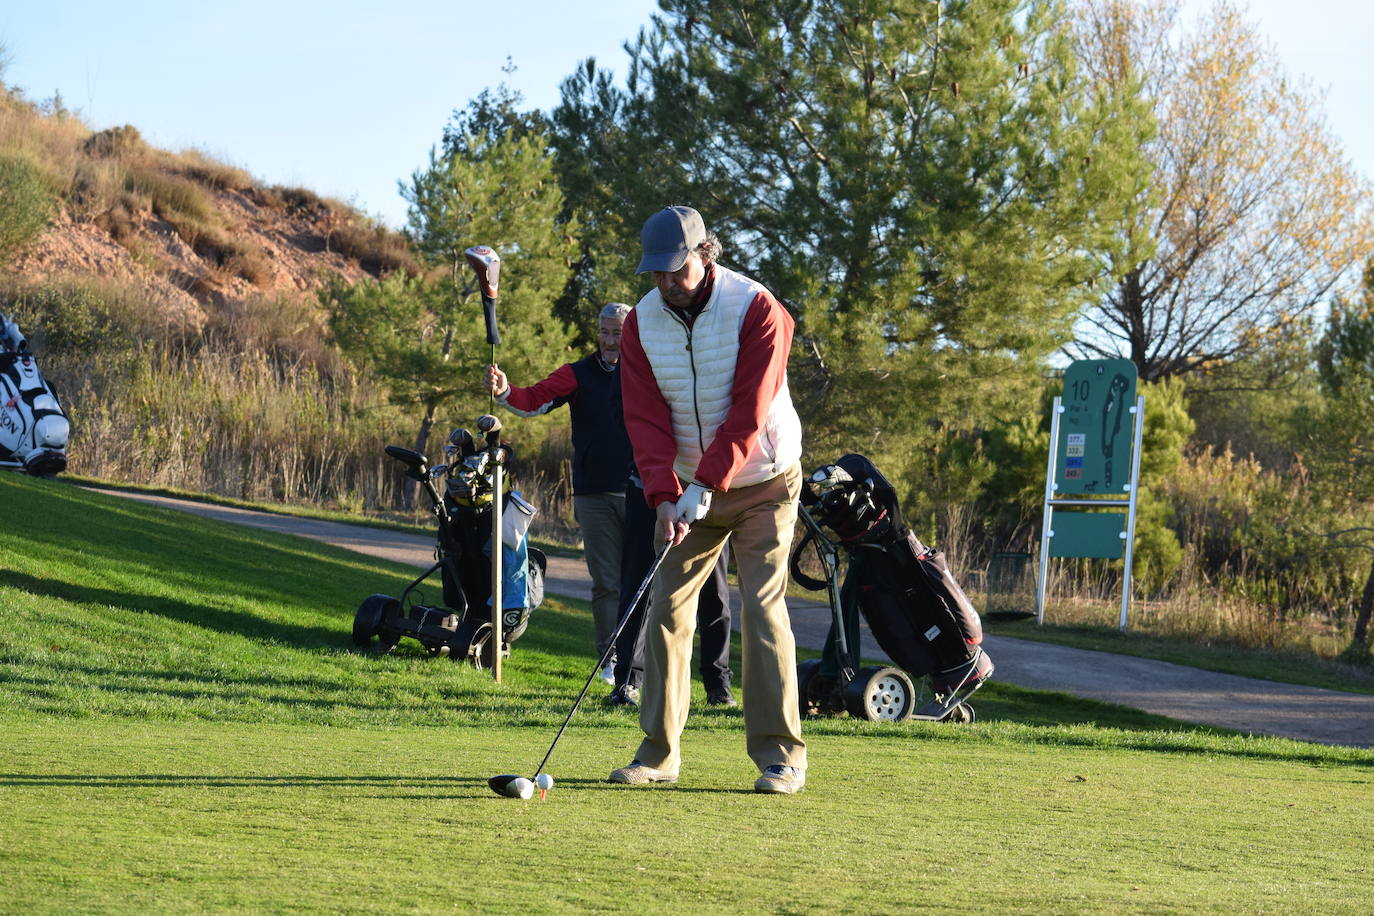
(694,503)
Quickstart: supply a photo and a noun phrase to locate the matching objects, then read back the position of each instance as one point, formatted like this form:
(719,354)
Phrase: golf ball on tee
(524,788)
(544,781)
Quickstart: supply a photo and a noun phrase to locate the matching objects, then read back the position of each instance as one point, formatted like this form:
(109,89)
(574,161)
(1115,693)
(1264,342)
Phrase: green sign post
(1094,464)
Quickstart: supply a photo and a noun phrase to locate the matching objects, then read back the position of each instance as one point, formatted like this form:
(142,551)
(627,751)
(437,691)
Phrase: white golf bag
(33,426)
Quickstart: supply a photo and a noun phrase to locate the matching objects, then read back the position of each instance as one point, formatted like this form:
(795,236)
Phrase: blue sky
(347,97)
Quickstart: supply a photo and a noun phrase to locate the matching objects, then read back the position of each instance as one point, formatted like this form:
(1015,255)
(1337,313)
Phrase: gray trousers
(601,516)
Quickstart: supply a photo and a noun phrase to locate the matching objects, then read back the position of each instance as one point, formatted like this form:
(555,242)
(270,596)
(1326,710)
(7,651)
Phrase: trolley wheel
(961,714)
(367,622)
(481,648)
(881,695)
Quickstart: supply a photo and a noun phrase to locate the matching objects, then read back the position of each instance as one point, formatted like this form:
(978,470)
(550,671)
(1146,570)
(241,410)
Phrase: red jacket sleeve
(541,397)
(765,339)
(647,419)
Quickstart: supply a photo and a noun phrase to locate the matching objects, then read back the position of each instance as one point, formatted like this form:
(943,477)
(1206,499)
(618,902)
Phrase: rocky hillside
(190,233)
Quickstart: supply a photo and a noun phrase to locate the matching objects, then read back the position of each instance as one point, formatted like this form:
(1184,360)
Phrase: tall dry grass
(253,404)
(1257,572)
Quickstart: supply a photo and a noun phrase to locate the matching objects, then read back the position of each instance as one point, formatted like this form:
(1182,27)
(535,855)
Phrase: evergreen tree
(1340,437)
(924,184)
(425,336)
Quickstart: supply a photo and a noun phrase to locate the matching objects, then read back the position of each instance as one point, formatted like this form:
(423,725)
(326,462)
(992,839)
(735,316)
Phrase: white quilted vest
(695,370)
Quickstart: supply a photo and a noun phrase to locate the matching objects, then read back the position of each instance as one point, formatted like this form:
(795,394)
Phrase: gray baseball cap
(668,237)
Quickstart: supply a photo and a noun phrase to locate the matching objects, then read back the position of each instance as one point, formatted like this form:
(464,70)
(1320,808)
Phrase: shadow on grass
(475,787)
(200,615)
(221,781)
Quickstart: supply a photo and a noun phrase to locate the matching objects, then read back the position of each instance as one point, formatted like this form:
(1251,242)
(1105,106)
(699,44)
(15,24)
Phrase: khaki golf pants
(759,521)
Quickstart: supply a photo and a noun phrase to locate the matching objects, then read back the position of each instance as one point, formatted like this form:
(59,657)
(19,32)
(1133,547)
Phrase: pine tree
(425,336)
(926,185)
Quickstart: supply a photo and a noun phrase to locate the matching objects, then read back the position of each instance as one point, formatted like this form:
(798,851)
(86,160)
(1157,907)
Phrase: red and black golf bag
(916,610)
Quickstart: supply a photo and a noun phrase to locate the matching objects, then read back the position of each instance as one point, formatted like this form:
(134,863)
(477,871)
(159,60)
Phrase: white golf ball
(544,781)
(523,787)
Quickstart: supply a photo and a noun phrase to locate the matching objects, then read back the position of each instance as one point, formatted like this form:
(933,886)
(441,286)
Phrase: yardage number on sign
(1096,428)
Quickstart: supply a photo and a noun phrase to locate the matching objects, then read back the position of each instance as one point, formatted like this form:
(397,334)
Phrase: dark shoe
(781,780)
(624,695)
(721,696)
(637,774)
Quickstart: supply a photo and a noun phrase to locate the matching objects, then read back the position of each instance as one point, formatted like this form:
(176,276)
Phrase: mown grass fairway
(187,728)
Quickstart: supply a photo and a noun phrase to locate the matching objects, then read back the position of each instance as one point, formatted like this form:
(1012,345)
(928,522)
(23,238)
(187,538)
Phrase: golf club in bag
(461,627)
(33,426)
(513,786)
(918,613)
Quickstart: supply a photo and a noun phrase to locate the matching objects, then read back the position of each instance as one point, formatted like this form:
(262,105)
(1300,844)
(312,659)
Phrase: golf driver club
(513,786)
(486,264)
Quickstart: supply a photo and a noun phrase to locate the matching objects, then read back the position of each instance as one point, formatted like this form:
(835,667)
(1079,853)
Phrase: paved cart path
(1190,694)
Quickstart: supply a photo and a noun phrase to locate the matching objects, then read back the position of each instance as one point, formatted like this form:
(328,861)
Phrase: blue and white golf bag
(33,425)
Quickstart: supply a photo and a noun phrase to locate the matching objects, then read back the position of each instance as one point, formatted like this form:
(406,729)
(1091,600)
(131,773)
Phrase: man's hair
(614,310)
(710,248)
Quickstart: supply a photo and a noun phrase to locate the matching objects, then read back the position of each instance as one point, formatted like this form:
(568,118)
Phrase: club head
(511,786)
(489,426)
(417,465)
(486,264)
(461,441)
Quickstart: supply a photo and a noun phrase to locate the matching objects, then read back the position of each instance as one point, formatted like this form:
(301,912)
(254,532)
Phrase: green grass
(299,511)
(188,729)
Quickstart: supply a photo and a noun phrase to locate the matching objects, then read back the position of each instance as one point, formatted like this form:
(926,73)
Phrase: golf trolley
(461,628)
(33,426)
(917,612)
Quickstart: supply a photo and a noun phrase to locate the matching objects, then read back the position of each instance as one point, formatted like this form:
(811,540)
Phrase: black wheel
(806,672)
(881,695)
(480,649)
(367,622)
(961,714)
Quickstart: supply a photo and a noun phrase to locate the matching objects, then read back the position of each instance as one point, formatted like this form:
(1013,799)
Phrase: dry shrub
(251,263)
(203,286)
(212,173)
(116,142)
(121,220)
(96,185)
(173,197)
(300,201)
(290,328)
(377,249)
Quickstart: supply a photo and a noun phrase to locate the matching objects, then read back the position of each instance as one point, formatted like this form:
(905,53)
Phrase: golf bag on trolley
(916,610)
(33,426)
(461,627)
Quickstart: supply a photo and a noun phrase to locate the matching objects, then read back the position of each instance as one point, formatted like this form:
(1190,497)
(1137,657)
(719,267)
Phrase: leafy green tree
(425,335)
(925,184)
(1253,216)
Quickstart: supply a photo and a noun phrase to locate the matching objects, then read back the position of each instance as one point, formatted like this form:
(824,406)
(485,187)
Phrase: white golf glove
(694,503)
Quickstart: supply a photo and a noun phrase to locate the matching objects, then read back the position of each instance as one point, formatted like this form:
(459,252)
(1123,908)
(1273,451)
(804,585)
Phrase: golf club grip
(489,312)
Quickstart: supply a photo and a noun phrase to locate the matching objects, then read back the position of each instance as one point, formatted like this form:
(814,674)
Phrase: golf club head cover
(489,313)
(694,503)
